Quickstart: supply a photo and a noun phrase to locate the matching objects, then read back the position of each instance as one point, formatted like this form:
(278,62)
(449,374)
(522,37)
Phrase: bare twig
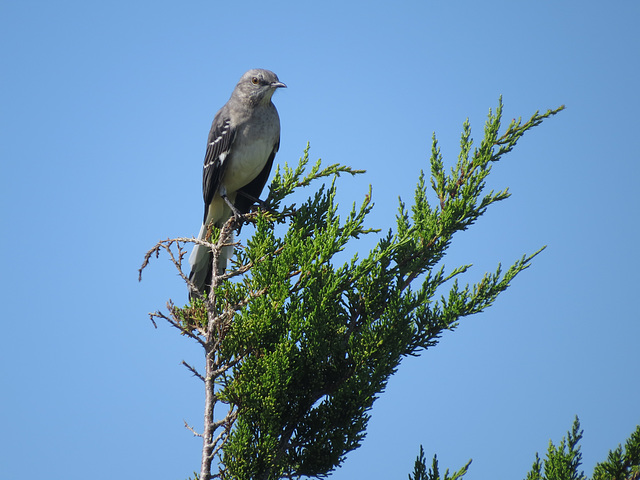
(228,365)
(190,428)
(151,315)
(221,439)
(176,324)
(193,370)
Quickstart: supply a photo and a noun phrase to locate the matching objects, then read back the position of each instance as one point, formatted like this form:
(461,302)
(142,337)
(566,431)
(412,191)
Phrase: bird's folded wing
(219,146)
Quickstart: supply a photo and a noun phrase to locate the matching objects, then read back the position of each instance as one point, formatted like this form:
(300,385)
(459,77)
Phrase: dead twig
(190,428)
(193,370)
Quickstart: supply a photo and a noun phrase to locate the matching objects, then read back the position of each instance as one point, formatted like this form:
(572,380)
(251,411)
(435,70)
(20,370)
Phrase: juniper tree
(299,345)
(562,462)
(420,471)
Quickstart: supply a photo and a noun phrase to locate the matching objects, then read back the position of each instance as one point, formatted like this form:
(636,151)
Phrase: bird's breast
(245,164)
(250,152)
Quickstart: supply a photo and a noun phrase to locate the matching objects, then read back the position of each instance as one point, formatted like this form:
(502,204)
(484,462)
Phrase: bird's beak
(278,85)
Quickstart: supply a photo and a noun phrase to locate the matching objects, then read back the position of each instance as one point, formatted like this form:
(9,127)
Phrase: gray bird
(243,141)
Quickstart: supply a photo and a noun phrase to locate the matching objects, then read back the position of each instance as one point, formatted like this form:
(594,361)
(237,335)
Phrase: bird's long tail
(201,264)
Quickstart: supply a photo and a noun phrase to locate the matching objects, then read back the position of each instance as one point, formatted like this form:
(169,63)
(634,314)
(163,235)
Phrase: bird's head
(258,85)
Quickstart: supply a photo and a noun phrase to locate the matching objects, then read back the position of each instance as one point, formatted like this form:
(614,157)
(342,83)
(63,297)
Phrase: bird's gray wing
(248,194)
(219,146)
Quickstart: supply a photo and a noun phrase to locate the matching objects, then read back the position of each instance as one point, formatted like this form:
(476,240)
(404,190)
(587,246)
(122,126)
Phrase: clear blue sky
(105,108)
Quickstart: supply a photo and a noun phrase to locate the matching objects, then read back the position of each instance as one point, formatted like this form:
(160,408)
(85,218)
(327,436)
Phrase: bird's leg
(236,212)
(261,203)
(223,194)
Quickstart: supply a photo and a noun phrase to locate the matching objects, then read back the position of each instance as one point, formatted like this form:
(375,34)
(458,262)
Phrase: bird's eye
(255,80)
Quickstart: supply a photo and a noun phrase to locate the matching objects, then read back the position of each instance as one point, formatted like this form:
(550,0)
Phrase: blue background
(105,108)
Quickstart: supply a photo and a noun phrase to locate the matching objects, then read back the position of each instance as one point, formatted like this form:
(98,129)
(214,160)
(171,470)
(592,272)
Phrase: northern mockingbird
(243,141)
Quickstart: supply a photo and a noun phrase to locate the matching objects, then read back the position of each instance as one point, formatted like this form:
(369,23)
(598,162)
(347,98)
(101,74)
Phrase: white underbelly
(244,165)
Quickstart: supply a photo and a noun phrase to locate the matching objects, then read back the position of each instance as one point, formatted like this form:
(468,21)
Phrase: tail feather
(201,264)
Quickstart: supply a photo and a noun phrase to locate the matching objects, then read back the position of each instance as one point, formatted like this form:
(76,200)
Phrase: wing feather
(219,145)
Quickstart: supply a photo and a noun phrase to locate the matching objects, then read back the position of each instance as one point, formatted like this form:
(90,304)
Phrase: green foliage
(321,340)
(300,345)
(420,471)
(621,464)
(561,463)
